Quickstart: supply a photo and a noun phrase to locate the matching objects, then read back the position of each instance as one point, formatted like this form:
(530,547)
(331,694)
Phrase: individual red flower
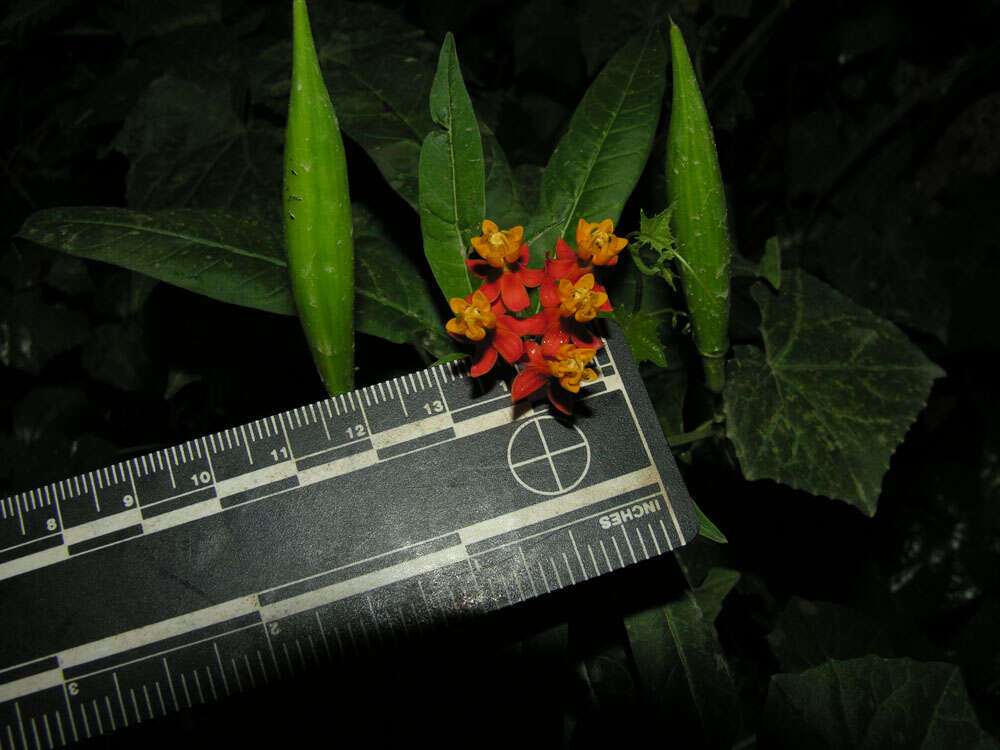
(560,374)
(503,266)
(569,306)
(566,265)
(490,329)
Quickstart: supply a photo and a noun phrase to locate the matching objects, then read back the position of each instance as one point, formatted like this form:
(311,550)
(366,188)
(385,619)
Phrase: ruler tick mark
(629,543)
(170,684)
(253,682)
(159,694)
(34,732)
(59,726)
(642,543)
(593,559)
(556,571)
(97,715)
(222,671)
(545,580)
(655,541)
(135,706)
(236,672)
(211,683)
(111,713)
(118,691)
(614,540)
(149,703)
(670,545)
(402,401)
(48,730)
(572,578)
(187,693)
(579,557)
(86,724)
(527,570)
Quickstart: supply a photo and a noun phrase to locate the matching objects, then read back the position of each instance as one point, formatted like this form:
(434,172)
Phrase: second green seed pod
(698,198)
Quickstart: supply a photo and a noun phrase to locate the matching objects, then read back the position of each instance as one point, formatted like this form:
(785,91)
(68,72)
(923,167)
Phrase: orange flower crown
(554,346)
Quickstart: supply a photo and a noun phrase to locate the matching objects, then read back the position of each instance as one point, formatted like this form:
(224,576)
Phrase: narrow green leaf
(317,215)
(454,356)
(698,198)
(452,178)
(770,265)
(224,256)
(598,162)
(708,529)
(240,260)
(871,703)
(681,664)
(642,333)
(824,406)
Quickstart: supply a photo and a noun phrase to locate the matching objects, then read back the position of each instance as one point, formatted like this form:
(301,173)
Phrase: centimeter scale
(206,569)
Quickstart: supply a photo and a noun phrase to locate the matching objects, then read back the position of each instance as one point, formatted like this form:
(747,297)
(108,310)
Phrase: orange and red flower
(597,244)
(490,329)
(503,266)
(560,374)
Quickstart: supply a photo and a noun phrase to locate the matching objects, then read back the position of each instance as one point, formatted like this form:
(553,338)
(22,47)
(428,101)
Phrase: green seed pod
(318,231)
(698,199)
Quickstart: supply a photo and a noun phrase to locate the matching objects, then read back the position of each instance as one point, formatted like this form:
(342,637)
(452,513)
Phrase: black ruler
(210,568)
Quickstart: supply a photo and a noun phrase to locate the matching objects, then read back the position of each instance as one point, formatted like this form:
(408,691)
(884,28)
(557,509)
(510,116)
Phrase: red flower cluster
(570,298)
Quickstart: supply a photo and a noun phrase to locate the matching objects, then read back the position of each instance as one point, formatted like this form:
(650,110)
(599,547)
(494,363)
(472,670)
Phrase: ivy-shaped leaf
(808,634)
(871,703)
(642,333)
(598,162)
(824,406)
(189,148)
(681,664)
(452,177)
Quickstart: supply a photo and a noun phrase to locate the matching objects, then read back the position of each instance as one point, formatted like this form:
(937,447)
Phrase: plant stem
(701,432)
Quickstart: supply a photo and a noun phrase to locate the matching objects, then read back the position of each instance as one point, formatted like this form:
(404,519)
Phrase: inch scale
(212,567)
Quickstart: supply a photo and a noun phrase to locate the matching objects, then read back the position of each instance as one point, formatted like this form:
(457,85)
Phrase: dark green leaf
(808,634)
(452,178)
(224,256)
(870,703)
(393,300)
(503,205)
(666,390)
(69,276)
(117,355)
(188,147)
(32,332)
(598,161)
(239,260)
(642,333)
(682,667)
(824,406)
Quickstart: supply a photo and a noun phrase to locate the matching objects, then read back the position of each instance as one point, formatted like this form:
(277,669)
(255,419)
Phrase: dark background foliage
(863,134)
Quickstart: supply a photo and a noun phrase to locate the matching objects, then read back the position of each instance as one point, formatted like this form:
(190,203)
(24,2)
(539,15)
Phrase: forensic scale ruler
(206,569)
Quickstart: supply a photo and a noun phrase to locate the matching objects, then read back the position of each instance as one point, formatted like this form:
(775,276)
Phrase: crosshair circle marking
(538,464)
